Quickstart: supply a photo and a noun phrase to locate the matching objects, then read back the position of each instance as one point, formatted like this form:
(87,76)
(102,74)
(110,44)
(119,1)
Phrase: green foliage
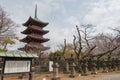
(8,40)
(3,50)
(59,52)
(69,50)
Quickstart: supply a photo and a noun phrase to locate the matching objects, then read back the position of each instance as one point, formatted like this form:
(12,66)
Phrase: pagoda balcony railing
(38,29)
(35,27)
(36,35)
(35,43)
(38,47)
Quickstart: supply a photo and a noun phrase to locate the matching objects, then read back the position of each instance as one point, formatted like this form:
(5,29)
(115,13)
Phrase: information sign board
(50,66)
(17,66)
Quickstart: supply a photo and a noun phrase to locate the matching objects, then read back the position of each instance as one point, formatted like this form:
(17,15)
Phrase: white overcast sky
(64,15)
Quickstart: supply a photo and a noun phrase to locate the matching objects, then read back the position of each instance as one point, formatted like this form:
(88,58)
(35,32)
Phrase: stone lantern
(84,67)
(72,66)
(55,67)
(93,67)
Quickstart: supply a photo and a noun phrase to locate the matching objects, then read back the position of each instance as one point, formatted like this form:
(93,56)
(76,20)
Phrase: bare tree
(117,31)
(6,24)
(106,45)
(7,27)
(82,44)
(64,48)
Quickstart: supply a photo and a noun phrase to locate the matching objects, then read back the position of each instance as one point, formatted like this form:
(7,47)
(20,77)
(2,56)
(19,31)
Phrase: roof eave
(32,19)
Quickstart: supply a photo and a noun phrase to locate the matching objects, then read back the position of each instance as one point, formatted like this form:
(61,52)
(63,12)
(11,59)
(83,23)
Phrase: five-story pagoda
(35,33)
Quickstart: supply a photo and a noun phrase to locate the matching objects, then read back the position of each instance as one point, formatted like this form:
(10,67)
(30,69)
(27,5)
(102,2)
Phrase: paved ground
(48,76)
(111,77)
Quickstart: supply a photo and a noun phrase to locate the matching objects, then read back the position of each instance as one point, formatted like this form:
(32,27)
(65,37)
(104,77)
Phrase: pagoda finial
(35,12)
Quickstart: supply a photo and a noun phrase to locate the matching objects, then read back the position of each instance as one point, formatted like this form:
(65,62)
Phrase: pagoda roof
(34,29)
(35,21)
(17,55)
(35,38)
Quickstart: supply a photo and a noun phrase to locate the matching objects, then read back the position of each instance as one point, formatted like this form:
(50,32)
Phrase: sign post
(2,72)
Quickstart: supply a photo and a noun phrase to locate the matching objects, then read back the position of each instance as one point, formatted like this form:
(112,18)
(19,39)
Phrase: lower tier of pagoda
(27,47)
(33,49)
(34,46)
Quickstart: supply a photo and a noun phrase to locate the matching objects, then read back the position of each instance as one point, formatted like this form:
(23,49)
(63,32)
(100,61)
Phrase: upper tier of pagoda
(35,21)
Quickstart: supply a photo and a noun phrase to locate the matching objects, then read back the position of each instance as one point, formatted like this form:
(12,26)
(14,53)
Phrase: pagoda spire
(36,12)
